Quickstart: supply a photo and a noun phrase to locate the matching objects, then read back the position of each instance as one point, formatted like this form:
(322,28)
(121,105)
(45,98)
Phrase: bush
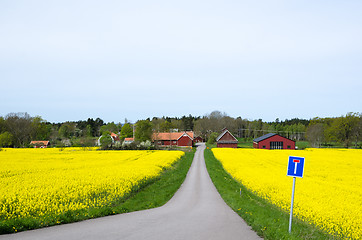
(212,138)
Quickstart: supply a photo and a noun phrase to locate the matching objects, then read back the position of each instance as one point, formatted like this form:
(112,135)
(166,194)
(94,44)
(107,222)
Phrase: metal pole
(291,207)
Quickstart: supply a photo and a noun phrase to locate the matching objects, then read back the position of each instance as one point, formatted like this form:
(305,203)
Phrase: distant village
(217,128)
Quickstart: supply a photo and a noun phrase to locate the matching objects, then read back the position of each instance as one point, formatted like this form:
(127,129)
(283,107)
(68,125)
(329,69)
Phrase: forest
(19,129)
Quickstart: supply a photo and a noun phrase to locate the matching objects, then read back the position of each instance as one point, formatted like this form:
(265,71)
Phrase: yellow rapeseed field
(37,183)
(329,195)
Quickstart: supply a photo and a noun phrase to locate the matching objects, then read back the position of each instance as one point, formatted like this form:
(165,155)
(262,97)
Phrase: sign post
(295,169)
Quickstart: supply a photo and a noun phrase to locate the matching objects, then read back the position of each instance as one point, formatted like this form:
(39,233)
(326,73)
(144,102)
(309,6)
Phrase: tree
(110,127)
(143,130)
(2,125)
(40,130)
(202,128)
(187,123)
(67,130)
(126,131)
(6,139)
(87,132)
(212,138)
(343,128)
(106,140)
(241,125)
(95,126)
(19,125)
(315,134)
(166,126)
(357,131)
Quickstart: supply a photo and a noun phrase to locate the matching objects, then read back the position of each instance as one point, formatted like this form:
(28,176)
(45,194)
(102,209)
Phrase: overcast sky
(70,60)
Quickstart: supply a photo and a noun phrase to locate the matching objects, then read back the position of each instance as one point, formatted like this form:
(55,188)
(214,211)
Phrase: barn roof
(227,141)
(172,136)
(268,135)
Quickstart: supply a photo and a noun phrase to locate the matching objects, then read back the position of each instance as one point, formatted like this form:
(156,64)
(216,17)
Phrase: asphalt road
(195,212)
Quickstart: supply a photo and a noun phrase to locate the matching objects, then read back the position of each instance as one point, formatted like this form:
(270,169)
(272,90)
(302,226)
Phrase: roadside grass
(267,220)
(150,194)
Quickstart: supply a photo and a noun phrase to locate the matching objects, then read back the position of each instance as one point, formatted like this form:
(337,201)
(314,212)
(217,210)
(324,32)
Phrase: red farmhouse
(273,141)
(40,144)
(226,140)
(175,139)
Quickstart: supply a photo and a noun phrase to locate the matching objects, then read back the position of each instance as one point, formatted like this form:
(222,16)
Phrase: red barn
(198,139)
(175,139)
(226,140)
(273,141)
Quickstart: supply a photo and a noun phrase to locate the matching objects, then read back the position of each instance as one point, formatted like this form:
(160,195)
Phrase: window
(276,145)
(288,147)
(264,146)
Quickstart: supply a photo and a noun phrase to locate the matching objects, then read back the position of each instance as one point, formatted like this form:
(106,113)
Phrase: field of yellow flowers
(44,183)
(329,195)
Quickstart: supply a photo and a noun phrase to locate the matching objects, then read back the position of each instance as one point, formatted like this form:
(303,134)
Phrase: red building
(198,139)
(175,139)
(40,144)
(273,141)
(226,140)
(115,137)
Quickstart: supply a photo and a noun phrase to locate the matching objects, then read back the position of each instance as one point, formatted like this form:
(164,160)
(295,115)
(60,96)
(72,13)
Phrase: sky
(71,60)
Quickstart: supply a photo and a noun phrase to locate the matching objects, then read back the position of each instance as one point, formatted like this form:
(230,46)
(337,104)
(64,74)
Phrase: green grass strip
(150,194)
(266,219)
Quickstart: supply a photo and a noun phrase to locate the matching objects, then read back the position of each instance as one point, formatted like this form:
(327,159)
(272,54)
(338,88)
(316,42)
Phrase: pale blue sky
(70,60)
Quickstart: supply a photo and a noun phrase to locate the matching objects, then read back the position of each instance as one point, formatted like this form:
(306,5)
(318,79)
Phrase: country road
(195,212)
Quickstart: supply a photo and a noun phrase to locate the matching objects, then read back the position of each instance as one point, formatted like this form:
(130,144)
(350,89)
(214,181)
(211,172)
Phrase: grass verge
(150,194)
(269,221)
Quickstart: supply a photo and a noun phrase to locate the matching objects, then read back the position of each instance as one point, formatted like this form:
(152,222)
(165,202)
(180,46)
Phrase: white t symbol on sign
(296,165)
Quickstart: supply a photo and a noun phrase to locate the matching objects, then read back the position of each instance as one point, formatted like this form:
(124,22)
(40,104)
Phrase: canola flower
(44,183)
(329,195)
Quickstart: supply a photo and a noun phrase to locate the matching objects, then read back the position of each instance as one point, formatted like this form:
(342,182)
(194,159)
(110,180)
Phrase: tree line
(18,129)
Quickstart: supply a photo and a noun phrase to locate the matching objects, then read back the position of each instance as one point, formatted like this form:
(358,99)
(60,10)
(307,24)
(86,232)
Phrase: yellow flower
(329,195)
(39,183)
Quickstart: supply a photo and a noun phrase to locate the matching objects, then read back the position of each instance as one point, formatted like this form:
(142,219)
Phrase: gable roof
(268,135)
(166,136)
(223,133)
(114,136)
(187,135)
(45,143)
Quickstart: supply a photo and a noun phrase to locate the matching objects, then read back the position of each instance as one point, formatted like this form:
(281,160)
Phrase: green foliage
(40,130)
(166,126)
(65,131)
(94,125)
(212,138)
(126,131)
(143,130)
(2,125)
(88,131)
(110,127)
(106,140)
(345,130)
(20,126)
(6,139)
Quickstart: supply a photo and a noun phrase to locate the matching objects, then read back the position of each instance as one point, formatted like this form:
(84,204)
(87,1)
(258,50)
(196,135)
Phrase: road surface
(195,212)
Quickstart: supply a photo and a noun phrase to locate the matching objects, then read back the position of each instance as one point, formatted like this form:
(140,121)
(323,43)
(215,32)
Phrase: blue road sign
(295,167)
